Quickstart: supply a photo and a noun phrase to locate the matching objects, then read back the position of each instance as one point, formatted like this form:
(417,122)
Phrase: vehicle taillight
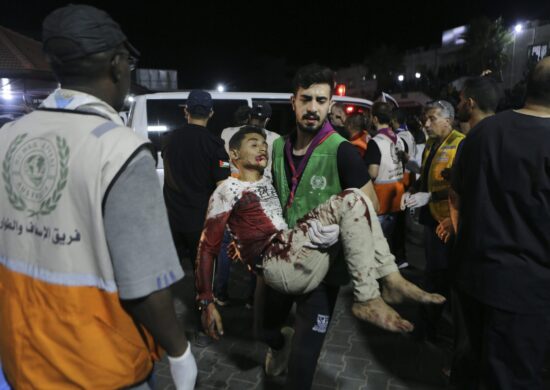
(341,90)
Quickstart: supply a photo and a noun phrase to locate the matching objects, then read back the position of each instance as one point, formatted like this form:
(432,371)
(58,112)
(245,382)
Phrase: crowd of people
(91,246)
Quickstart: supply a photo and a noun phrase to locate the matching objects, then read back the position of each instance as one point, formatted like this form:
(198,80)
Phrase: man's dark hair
(538,83)
(484,91)
(311,74)
(382,111)
(82,70)
(355,122)
(240,117)
(237,139)
(400,116)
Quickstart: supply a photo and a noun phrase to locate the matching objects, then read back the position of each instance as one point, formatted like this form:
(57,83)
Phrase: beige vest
(57,286)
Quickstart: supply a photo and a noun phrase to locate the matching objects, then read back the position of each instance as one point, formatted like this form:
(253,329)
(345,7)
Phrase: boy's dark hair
(484,91)
(355,122)
(311,74)
(240,117)
(237,139)
(383,111)
(538,83)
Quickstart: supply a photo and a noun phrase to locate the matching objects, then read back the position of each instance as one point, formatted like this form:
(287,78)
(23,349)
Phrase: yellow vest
(443,159)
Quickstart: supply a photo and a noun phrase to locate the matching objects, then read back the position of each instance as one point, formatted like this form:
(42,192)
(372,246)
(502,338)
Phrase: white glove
(404,200)
(184,370)
(418,200)
(320,236)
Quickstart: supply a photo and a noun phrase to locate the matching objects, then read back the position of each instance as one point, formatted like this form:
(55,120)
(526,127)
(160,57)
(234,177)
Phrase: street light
(400,78)
(221,88)
(417,75)
(518,28)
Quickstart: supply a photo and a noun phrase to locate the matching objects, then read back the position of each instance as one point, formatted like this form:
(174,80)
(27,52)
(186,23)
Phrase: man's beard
(463,115)
(311,129)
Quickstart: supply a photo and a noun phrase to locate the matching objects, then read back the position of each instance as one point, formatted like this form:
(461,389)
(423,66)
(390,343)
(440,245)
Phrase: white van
(154,114)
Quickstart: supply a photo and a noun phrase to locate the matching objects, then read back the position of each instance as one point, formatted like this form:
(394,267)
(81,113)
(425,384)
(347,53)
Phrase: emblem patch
(322,323)
(35,173)
(318,182)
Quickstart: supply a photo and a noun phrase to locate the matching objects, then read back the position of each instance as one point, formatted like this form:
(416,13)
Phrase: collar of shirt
(68,99)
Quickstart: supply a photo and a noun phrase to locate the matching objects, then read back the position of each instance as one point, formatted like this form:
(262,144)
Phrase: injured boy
(294,261)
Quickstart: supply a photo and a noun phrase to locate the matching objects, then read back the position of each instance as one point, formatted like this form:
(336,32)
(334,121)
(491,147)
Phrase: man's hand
(322,237)
(212,321)
(418,200)
(184,370)
(445,230)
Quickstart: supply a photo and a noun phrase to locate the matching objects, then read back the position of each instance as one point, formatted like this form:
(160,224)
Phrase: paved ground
(356,356)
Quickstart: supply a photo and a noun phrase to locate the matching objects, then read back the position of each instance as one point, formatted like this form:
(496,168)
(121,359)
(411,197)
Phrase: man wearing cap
(85,263)
(195,162)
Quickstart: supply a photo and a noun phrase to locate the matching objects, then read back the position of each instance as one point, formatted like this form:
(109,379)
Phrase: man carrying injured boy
(294,261)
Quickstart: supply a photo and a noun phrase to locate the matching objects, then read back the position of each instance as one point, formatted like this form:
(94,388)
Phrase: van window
(282,119)
(168,114)
(223,114)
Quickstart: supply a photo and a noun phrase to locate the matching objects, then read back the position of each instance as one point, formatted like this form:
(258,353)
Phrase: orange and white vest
(61,322)
(389,182)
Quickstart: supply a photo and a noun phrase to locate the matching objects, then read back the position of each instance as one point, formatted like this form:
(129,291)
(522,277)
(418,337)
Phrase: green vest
(320,180)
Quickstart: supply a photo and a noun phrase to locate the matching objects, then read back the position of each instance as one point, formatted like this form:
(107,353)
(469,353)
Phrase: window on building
(538,52)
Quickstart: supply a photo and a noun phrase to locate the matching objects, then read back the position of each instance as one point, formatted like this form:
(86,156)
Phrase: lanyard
(319,138)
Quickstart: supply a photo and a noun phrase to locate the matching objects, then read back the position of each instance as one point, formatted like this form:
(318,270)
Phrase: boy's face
(252,153)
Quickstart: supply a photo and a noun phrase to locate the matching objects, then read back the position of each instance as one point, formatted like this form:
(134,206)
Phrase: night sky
(257,45)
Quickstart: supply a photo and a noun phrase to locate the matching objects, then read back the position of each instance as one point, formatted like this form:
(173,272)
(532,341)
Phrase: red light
(350,109)
(341,89)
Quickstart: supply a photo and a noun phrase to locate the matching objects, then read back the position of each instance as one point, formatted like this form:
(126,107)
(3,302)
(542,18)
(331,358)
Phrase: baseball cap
(261,110)
(199,102)
(79,31)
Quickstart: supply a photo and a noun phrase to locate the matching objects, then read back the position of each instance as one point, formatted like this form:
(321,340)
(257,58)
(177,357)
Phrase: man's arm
(373,171)
(219,211)
(137,231)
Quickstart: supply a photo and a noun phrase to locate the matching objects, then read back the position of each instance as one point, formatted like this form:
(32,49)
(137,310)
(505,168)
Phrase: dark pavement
(355,356)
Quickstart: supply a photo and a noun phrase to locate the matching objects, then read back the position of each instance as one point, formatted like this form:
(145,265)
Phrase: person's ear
(211,114)
(266,122)
(471,103)
(116,71)
(293,102)
(233,154)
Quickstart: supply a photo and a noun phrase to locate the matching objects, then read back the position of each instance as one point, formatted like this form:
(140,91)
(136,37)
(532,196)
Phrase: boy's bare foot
(378,313)
(397,289)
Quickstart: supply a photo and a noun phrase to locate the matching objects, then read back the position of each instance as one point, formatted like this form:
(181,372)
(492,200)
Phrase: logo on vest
(318,182)
(35,173)
(322,323)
